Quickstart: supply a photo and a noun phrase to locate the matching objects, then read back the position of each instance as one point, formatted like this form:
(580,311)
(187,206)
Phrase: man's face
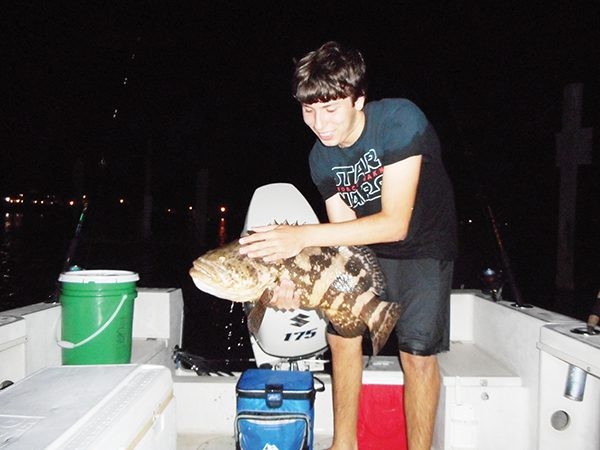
(337,122)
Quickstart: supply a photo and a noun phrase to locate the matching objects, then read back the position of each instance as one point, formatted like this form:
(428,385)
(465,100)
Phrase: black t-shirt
(395,129)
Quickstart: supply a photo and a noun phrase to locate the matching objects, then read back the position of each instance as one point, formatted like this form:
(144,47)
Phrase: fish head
(225,273)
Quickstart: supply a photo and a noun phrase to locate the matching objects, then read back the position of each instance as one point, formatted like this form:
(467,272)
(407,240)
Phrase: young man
(379,169)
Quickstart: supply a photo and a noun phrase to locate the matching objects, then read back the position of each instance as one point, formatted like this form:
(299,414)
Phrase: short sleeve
(404,133)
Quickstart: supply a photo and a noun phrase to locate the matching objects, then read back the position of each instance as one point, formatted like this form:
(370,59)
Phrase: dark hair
(329,73)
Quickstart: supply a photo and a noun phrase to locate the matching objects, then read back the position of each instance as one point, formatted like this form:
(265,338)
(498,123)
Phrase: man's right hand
(285,296)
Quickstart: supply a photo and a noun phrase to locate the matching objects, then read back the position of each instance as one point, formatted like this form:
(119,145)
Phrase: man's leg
(421,395)
(423,287)
(346,368)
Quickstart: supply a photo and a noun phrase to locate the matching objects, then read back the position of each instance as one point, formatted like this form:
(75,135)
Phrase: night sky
(208,88)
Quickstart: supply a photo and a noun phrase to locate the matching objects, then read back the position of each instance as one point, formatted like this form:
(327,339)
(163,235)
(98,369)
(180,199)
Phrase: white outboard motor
(286,339)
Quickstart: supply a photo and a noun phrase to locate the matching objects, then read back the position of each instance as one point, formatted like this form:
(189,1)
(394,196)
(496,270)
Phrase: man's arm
(338,210)
(399,190)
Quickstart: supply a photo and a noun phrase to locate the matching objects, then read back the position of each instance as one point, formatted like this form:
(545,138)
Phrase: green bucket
(97,316)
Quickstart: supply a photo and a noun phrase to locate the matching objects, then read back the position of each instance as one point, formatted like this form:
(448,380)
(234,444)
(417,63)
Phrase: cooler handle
(320,388)
(70,345)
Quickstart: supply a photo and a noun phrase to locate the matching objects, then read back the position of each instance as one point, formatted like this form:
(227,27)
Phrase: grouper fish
(341,283)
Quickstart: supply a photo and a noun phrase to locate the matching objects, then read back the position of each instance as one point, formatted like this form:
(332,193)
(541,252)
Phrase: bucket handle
(70,345)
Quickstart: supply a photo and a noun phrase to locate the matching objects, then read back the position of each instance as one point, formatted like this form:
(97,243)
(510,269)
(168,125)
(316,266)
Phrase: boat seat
(470,363)
(465,362)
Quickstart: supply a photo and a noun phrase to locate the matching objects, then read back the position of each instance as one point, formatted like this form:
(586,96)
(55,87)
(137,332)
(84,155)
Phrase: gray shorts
(422,287)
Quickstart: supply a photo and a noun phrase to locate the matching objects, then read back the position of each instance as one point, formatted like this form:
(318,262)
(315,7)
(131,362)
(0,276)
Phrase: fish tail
(381,317)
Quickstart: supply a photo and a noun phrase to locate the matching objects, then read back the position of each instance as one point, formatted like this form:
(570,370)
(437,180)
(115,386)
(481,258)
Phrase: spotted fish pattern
(341,283)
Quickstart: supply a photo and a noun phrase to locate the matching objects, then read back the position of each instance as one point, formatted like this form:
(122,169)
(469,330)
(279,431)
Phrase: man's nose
(319,121)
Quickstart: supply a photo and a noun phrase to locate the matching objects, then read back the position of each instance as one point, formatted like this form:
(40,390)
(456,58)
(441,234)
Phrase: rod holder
(575,384)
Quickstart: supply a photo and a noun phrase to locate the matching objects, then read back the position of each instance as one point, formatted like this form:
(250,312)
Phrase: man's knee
(339,344)
(418,364)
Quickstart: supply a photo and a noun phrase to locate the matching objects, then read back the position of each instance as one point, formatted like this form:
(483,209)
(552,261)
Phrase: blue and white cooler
(275,410)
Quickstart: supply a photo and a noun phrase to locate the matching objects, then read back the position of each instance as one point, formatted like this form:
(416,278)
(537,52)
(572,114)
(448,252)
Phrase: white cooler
(90,407)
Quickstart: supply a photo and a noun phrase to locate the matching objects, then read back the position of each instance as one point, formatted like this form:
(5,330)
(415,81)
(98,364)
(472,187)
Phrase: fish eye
(221,259)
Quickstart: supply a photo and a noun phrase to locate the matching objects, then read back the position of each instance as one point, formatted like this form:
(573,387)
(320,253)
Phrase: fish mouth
(209,272)
(214,281)
(202,272)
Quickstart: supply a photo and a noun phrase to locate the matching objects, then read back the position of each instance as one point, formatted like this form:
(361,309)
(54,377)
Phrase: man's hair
(329,73)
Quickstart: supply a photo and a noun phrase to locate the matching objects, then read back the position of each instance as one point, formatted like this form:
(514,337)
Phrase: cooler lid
(255,380)
(81,406)
(383,370)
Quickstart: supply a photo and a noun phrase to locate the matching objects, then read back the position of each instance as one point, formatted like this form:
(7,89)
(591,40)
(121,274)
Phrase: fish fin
(381,317)
(369,259)
(257,313)
(345,324)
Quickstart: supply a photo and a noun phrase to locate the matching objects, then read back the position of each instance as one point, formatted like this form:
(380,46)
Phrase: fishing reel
(492,282)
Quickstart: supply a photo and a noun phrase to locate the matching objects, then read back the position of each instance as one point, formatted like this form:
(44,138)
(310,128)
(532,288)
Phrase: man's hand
(285,296)
(273,242)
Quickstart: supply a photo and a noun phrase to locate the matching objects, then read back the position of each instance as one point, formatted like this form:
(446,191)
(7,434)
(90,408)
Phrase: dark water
(34,244)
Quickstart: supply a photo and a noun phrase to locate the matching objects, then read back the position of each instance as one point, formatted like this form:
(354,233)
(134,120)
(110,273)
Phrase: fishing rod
(504,258)
(75,240)
(482,197)
(506,261)
(53,298)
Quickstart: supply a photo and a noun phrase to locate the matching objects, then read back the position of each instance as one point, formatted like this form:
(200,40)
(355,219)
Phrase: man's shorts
(422,287)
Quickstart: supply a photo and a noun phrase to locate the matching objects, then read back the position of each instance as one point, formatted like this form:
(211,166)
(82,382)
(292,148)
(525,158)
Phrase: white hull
(503,379)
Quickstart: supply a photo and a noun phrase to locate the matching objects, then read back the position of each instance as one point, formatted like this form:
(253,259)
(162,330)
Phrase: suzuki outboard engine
(287,339)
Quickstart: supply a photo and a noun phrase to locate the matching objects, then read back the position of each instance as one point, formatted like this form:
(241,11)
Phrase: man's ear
(359,104)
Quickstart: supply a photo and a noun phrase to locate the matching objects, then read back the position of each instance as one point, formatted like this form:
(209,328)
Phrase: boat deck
(506,370)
